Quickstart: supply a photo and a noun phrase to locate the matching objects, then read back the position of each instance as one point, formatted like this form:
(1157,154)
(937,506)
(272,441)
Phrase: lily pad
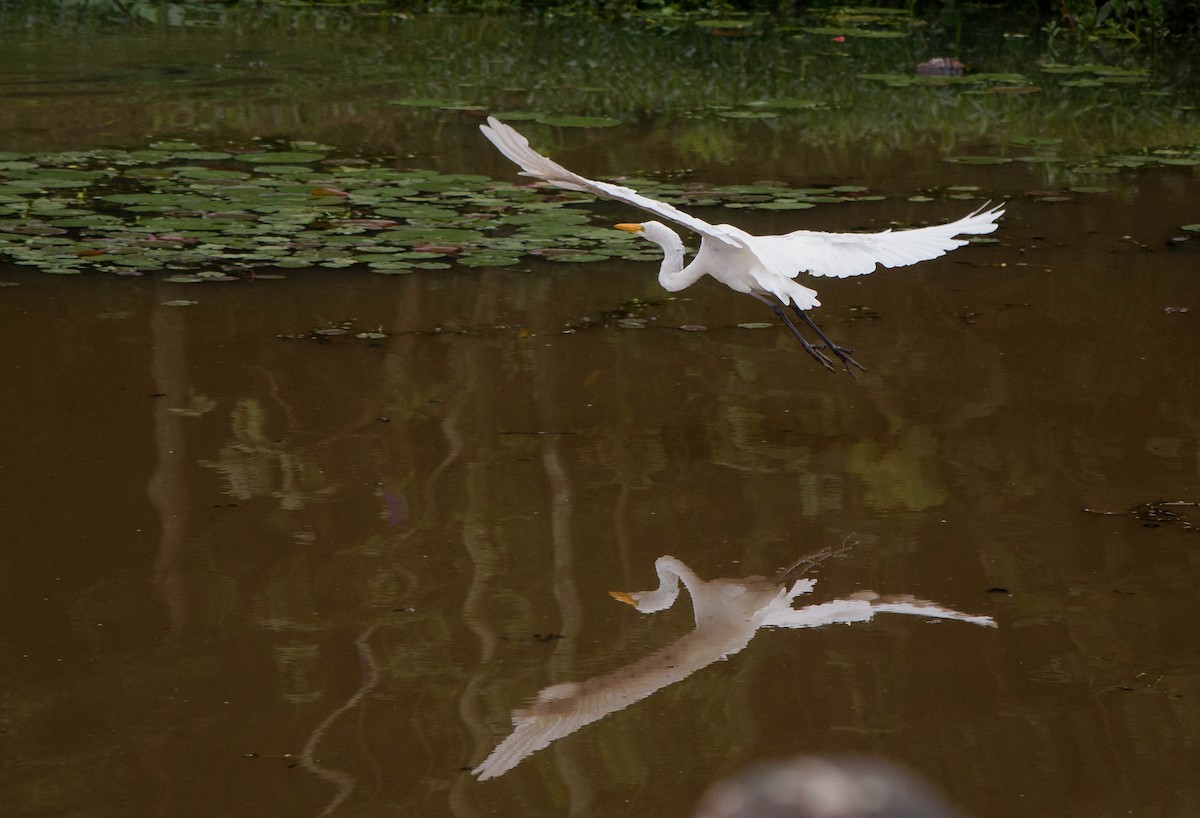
(579,121)
(977,160)
(391,266)
(204,156)
(283,170)
(786,104)
(280,157)
(518,116)
(174,146)
(428,102)
(747,114)
(485,260)
(852,31)
(725,23)
(1036,141)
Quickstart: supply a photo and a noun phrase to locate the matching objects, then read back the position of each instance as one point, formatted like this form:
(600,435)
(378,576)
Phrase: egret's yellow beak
(629,228)
(621,596)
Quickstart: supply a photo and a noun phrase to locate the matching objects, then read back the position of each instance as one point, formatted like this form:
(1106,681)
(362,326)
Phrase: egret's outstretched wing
(516,148)
(853,254)
(558,711)
(862,606)
(564,708)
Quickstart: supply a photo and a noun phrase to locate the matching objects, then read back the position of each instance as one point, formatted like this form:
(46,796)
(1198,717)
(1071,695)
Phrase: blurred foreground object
(824,787)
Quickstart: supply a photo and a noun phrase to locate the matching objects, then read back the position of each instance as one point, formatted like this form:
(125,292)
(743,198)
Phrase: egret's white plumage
(763,603)
(762,266)
(728,613)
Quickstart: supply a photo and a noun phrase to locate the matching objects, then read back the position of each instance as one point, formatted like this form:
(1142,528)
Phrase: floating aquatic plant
(197,214)
(202,215)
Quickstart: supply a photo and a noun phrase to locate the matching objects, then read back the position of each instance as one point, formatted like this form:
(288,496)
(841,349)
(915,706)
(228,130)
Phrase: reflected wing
(852,254)
(516,148)
(562,709)
(558,711)
(863,606)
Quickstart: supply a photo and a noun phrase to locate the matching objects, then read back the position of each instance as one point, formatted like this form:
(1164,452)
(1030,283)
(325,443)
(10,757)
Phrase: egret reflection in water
(728,613)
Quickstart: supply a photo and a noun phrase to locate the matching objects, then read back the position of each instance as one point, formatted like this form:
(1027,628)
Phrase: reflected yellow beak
(629,228)
(621,596)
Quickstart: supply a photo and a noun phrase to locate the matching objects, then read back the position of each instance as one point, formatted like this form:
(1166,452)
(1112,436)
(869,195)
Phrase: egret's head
(621,596)
(656,232)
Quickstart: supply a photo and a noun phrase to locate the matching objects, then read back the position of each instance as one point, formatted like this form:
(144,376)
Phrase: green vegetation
(1125,19)
(294,71)
(1138,20)
(280,136)
(200,215)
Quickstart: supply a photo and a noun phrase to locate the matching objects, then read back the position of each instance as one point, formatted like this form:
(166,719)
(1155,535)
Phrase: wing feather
(838,255)
(862,607)
(851,254)
(533,164)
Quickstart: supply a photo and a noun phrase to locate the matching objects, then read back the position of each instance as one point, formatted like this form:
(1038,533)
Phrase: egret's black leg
(842,353)
(819,356)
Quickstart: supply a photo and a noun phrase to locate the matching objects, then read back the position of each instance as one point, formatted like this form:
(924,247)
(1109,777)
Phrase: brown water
(245,572)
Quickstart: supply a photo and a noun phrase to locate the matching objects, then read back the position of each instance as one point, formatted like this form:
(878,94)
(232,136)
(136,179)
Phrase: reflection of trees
(901,476)
(254,464)
(506,63)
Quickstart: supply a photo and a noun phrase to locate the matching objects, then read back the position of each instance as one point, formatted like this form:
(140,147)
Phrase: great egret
(760,266)
(728,613)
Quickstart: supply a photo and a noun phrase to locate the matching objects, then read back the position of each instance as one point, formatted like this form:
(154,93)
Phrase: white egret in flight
(728,613)
(764,267)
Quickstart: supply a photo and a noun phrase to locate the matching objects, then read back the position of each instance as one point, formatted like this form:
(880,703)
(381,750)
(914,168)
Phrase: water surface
(252,570)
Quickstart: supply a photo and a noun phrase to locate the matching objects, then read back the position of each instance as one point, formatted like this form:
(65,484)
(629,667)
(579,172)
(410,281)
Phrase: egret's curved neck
(670,573)
(670,273)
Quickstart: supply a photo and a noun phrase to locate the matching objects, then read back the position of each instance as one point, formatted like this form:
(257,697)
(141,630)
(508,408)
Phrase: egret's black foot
(846,350)
(843,354)
(812,349)
(819,356)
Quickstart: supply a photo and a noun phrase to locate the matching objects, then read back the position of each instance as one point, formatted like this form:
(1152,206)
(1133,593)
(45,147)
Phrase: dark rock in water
(941,67)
